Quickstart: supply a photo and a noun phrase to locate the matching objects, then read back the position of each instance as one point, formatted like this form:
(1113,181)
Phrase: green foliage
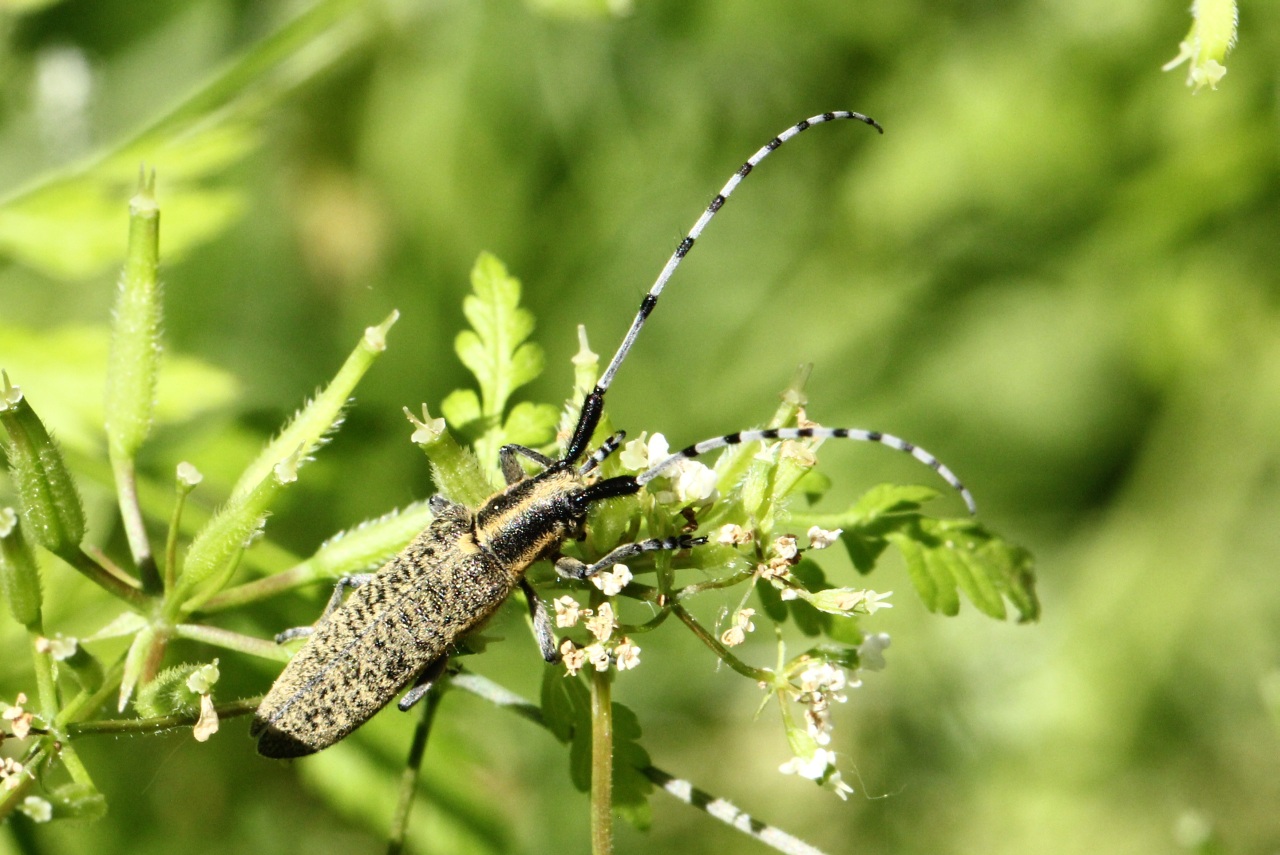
(496,351)
(1056,269)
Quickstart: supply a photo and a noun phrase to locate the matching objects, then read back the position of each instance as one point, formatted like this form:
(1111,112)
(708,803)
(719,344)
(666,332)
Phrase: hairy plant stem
(601,763)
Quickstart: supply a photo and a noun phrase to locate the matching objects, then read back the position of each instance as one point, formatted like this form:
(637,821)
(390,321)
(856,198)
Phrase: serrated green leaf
(532,425)
(495,350)
(461,409)
(892,499)
(937,590)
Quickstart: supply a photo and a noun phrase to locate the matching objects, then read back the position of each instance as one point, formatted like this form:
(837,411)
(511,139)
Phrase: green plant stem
(171,541)
(412,769)
(601,763)
(113,726)
(225,638)
(45,686)
(86,702)
(260,589)
(758,674)
(118,586)
(134,528)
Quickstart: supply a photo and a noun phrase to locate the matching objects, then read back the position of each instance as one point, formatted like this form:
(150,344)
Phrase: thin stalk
(601,763)
(134,528)
(119,587)
(117,726)
(412,769)
(758,674)
(225,638)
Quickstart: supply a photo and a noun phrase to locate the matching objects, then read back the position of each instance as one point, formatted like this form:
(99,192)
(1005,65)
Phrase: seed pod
(50,502)
(19,573)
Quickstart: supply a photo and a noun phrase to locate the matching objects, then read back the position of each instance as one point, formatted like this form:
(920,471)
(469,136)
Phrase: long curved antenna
(813,433)
(594,402)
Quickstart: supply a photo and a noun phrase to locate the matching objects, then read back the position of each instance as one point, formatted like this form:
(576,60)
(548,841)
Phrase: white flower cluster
(602,652)
(18,718)
(12,774)
(692,483)
(820,684)
(821,767)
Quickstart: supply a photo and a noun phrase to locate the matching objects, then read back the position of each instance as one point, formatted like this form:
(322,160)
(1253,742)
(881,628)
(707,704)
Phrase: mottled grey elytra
(399,625)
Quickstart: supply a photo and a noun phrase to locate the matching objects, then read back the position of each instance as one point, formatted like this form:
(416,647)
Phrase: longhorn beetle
(399,625)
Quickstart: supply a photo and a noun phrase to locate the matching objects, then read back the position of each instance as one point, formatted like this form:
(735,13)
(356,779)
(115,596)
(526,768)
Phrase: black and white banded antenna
(893,442)
(593,405)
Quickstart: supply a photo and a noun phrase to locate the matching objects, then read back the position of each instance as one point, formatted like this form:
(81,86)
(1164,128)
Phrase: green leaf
(943,557)
(63,372)
(631,788)
(65,223)
(531,425)
(495,350)
(566,704)
(461,409)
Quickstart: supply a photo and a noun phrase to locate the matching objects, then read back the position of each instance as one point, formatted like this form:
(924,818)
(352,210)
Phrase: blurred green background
(1057,270)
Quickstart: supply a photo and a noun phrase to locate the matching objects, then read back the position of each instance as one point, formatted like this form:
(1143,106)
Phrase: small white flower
(597,655)
(814,767)
(871,651)
(11,774)
(731,534)
(59,647)
(572,656)
(188,475)
(426,430)
(837,785)
(612,581)
(875,602)
(823,678)
(207,725)
(36,809)
(736,634)
(287,470)
(18,718)
(203,678)
(584,356)
(602,623)
(628,654)
(821,538)
(375,338)
(568,611)
(694,482)
(785,548)
(817,719)
(733,636)
(641,454)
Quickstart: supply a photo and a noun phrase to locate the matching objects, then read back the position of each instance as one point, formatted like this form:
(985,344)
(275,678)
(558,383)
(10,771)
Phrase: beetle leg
(354,580)
(511,470)
(542,630)
(572,568)
(423,684)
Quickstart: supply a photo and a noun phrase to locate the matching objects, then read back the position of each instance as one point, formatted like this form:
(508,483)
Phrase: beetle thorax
(531,518)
